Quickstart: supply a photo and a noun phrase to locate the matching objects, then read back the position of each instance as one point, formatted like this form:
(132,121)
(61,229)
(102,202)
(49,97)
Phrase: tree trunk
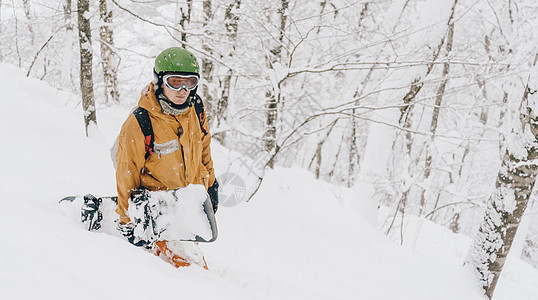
(492,244)
(185,19)
(506,206)
(108,58)
(86,57)
(406,111)
(68,42)
(26,5)
(354,156)
(273,97)
(231,22)
(354,153)
(270,125)
(436,110)
(318,156)
(207,63)
(222,105)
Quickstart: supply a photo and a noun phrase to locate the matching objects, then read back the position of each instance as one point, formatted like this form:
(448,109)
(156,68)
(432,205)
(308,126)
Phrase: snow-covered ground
(296,239)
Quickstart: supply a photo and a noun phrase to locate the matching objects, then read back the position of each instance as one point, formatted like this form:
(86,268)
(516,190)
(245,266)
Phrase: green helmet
(176,59)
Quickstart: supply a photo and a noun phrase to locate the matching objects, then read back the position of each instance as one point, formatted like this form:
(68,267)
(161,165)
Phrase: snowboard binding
(140,199)
(90,213)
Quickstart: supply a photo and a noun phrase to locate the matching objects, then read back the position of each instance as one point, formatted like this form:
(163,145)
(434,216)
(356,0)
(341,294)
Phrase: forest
(425,108)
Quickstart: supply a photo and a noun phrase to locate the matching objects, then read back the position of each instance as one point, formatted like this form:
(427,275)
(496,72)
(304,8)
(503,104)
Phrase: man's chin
(179,101)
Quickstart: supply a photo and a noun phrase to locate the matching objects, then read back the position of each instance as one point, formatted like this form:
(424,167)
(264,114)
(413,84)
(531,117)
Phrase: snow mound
(293,240)
(178,214)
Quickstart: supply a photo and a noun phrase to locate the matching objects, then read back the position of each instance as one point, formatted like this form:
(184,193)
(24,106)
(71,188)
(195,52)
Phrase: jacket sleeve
(207,161)
(131,159)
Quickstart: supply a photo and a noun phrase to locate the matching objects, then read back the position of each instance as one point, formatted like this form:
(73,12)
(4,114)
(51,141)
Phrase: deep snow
(296,239)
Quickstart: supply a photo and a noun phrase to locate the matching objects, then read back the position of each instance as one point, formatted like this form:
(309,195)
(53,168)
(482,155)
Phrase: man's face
(176,97)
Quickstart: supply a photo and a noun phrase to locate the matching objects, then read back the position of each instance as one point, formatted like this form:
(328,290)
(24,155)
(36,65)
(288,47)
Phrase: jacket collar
(151,103)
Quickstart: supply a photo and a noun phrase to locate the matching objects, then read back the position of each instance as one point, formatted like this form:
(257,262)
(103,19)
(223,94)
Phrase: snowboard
(183,214)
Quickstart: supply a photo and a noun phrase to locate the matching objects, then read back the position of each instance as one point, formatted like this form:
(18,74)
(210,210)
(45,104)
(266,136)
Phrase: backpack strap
(142,117)
(199,108)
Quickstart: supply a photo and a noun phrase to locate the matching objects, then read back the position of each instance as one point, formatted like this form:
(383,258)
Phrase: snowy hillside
(296,239)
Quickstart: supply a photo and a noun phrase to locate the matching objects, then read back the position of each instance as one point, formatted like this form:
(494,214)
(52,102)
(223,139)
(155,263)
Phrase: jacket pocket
(166,148)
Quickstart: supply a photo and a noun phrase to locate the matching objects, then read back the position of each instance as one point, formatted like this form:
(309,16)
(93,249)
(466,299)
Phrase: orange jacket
(179,160)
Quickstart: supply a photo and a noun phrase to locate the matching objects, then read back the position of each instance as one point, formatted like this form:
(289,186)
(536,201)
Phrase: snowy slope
(293,240)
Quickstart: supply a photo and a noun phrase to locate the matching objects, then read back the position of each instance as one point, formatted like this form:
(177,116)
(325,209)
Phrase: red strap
(201,119)
(148,143)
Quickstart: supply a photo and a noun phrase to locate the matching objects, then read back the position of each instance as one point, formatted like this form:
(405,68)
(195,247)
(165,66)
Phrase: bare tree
(506,206)
(86,58)
(185,19)
(231,22)
(436,111)
(68,49)
(26,5)
(207,63)
(109,59)
(273,96)
(407,111)
(354,151)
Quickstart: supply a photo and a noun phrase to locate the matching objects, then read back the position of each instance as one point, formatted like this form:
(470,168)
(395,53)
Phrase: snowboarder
(176,151)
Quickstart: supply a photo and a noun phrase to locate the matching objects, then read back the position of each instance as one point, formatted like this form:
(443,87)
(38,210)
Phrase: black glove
(139,195)
(127,230)
(213,192)
(90,214)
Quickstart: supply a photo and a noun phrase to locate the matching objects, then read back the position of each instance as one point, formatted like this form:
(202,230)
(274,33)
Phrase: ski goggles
(178,82)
